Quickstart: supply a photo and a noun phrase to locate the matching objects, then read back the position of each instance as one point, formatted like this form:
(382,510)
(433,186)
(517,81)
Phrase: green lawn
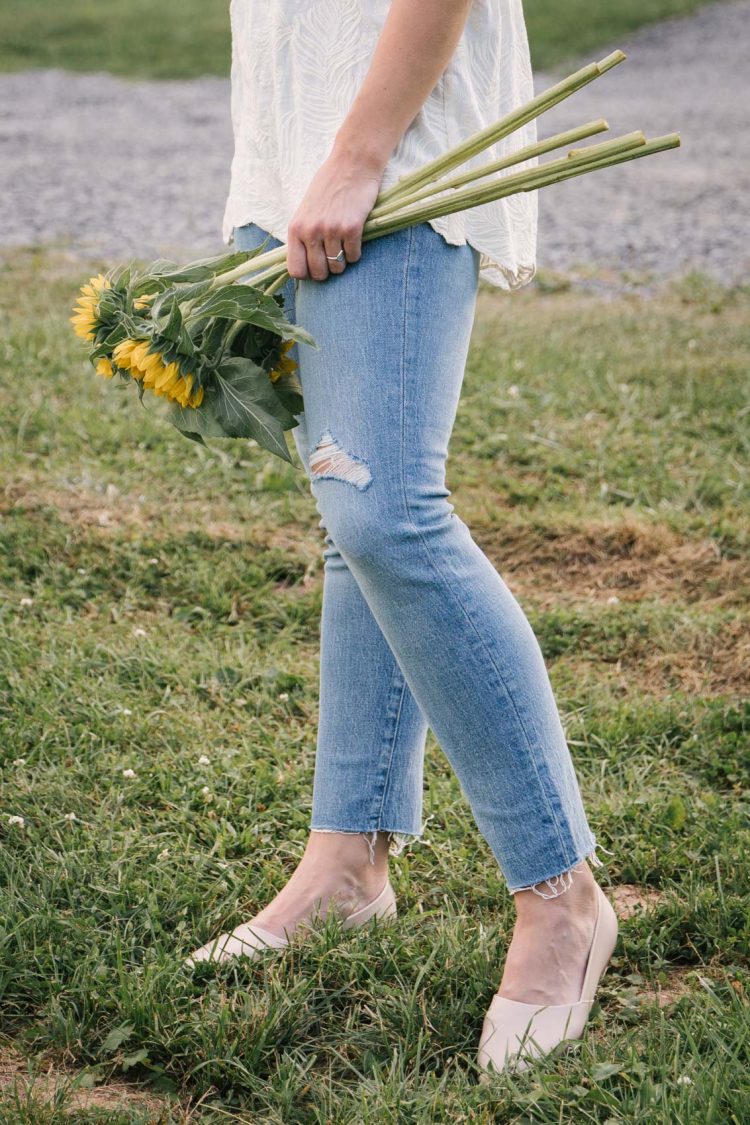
(161,601)
(185,38)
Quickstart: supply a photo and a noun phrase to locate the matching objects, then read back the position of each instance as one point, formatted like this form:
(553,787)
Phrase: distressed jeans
(418,629)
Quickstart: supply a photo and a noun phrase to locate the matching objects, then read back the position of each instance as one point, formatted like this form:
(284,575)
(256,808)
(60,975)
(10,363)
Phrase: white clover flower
(16,820)
(71,816)
(128,773)
(684,1080)
(513,391)
(126,711)
(19,761)
(26,601)
(138,632)
(284,696)
(206,793)
(613,599)
(204,760)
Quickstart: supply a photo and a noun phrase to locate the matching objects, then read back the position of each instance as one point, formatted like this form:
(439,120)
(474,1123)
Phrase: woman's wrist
(364,151)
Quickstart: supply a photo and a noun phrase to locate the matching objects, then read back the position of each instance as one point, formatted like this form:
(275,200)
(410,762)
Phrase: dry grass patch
(629,899)
(111,510)
(677,983)
(712,663)
(51,1081)
(80,507)
(706,664)
(630,559)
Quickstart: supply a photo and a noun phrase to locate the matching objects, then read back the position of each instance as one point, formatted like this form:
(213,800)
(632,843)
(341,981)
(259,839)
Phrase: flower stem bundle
(211,337)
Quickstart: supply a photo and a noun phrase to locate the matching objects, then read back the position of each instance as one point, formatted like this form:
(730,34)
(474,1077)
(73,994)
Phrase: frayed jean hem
(397,838)
(557,882)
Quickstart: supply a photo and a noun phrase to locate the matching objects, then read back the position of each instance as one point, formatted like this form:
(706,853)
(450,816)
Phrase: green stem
(271,257)
(559,140)
(501,186)
(499,129)
(281,280)
(233,332)
(550,173)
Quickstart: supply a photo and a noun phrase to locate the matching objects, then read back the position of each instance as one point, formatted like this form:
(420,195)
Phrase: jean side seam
(428,554)
(382,778)
(396,727)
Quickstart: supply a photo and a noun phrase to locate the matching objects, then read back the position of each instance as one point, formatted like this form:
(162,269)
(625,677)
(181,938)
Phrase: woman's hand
(332,214)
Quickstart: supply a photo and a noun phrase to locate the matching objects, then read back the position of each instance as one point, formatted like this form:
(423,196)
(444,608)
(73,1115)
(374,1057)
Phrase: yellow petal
(149,377)
(168,375)
(152,365)
(180,392)
(139,353)
(123,352)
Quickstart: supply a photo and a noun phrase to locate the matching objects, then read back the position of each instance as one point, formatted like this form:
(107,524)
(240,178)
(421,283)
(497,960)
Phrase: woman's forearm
(415,45)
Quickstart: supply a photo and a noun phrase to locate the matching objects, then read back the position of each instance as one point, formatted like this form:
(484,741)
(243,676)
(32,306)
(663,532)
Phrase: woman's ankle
(360,856)
(572,892)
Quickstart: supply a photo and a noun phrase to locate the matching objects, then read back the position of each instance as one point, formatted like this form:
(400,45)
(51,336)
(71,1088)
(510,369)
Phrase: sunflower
(86,313)
(150,369)
(285,364)
(105,368)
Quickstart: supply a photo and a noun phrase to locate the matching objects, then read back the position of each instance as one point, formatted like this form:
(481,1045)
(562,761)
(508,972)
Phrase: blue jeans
(417,627)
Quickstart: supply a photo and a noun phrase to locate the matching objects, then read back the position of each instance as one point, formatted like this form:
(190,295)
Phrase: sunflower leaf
(196,423)
(245,303)
(204,268)
(246,405)
(172,326)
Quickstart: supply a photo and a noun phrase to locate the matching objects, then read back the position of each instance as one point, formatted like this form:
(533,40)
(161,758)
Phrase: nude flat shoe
(248,939)
(515,1034)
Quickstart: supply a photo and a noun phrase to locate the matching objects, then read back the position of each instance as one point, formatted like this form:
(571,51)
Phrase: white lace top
(296,68)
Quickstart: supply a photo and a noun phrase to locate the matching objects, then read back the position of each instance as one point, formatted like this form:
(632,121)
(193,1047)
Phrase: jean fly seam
(453,589)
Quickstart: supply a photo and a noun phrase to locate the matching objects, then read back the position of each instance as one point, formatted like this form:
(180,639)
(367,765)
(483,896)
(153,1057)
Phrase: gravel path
(118,168)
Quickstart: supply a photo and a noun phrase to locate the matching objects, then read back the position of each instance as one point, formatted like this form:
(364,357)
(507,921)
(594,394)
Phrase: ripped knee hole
(330,461)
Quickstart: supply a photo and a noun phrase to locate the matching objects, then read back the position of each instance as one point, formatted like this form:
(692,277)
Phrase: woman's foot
(335,873)
(561,947)
(547,956)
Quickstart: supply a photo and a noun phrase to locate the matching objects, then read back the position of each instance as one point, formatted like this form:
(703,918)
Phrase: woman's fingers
(353,246)
(332,246)
(296,255)
(315,257)
(306,255)
(317,263)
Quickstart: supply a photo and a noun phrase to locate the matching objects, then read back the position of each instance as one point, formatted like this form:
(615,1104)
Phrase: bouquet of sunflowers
(211,337)
(218,353)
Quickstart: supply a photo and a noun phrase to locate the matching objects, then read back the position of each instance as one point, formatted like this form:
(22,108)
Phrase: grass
(187,38)
(161,602)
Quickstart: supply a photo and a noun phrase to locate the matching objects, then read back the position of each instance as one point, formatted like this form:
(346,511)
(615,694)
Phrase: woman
(333,100)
